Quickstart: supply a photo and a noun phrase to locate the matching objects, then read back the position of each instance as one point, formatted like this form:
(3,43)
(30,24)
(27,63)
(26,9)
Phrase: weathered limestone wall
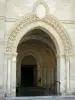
(70,27)
(2,41)
(63,10)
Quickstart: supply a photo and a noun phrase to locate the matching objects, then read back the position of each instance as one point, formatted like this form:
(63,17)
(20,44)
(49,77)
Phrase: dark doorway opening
(27,75)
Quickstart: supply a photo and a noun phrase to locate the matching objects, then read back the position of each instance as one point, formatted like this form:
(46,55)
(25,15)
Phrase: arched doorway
(39,69)
(52,27)
(28,72)
(27,76)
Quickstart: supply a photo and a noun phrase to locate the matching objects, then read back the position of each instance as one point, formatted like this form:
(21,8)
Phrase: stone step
(30,91)
(42,98)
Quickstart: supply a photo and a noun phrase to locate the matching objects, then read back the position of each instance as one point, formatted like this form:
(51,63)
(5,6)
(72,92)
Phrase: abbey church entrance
(28,72)
(47,42)
(27,76)
(36,65)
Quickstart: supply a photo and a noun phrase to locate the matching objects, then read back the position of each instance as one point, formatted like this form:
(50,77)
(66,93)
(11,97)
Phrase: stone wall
(11,11)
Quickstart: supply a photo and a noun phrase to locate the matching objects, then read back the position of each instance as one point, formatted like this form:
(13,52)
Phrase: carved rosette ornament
(35,16)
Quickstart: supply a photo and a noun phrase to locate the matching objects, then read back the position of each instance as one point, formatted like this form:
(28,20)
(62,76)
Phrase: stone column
(1,72)
(61,74)
(67,74)
(10,74)
(2,41)
(13,75)
(7,73)
(18,70)
(72,74)
(44,76)
(38,76)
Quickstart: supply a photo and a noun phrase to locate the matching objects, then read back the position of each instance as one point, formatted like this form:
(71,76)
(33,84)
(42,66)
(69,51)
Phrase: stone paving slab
(1,96)
(42,98)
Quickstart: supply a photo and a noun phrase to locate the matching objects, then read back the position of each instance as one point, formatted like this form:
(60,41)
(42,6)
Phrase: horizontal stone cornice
(15,19)
(68,21)
(2,18)
(8,19)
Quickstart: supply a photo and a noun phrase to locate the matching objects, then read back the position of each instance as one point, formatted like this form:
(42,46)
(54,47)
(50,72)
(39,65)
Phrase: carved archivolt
(31,18)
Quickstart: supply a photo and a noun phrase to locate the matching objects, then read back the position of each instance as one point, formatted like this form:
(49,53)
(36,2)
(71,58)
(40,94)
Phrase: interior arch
(45,60)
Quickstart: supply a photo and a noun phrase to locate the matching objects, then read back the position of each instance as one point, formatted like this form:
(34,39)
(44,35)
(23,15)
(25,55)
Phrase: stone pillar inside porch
(61,75)
(72,75)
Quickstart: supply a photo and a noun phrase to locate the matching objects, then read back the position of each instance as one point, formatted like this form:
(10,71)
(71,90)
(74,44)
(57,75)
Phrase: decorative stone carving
(60,30)
(31,18)
(49,19)
(41,9)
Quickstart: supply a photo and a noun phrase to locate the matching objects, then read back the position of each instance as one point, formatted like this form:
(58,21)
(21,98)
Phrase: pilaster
(72,74)
(1,71)
(61,74)
(10,78)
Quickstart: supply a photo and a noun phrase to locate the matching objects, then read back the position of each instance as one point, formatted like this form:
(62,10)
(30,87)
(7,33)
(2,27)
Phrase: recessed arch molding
(48,19)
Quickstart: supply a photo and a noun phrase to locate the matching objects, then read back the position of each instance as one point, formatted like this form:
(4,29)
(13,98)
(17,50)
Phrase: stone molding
(38,3)
(9,54)
(16,19)
(67,21)
(2,17)
(33,53)
(31,50)
(30,18)
(61,31)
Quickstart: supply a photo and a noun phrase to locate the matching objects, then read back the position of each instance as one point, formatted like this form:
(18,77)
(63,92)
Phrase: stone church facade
(39,33)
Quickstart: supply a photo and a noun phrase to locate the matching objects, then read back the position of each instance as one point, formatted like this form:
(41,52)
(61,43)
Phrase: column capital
(10,54)
(60,55)
(66,56)
(72,54)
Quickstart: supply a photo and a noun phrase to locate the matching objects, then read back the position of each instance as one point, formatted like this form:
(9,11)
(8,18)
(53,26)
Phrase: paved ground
(42,98)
